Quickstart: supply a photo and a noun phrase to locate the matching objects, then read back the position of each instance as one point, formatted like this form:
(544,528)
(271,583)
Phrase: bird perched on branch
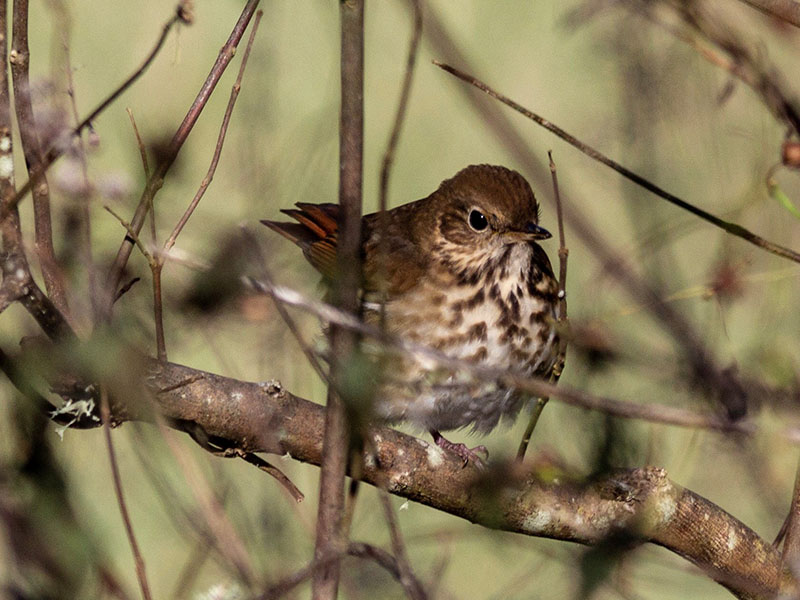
(460,271)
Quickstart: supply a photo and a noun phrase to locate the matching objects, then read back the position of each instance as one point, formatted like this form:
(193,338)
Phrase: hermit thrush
(462,273)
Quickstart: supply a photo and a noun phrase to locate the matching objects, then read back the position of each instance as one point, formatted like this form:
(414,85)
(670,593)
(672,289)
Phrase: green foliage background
(617,81)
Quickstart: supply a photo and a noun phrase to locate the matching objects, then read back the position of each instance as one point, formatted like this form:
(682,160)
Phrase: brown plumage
(463,274)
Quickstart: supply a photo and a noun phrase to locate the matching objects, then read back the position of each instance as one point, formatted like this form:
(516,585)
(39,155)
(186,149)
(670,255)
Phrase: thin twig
(141,574)
(563,252)
(785,10)
(29,138)
(223,130)
(156,179)
(140,144)
(405,575)
(288,583)
(227,540)
(330,534)
(561,316)
(156,268)
(388,156)
(273,471)
(157,265)
(146,167)
(18,283)
(61,146)
(305,348)
(731,228)
(131,233)
(391,563)
(356,549)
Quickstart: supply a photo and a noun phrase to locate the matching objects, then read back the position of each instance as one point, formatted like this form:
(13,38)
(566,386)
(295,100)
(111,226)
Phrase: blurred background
(618,79)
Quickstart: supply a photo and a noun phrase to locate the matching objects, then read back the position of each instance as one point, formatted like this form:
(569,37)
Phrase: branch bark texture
(642,504)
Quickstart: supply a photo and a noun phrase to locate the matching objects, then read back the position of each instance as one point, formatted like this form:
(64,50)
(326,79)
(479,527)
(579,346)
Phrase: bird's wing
(316,231)
(403,262)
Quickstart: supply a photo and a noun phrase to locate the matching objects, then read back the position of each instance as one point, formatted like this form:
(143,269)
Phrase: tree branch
(55,151)
(639,503)
(727,226)
(43,225)
(331,531)
(156,180)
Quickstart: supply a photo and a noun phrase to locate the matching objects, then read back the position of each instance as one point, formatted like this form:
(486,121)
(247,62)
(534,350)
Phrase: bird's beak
(531,232)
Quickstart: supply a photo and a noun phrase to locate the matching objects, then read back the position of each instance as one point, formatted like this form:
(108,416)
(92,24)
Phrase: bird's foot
(466,453)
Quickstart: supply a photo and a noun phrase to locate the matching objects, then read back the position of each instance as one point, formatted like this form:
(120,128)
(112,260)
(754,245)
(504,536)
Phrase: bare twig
(305,348)
(223,130)
(388,156)
(131,233)
(273,471)
(140,144)
(227,540)
(156,269)
(563,252)
(288,583)
(785,10)
(157,266)
(561,316)
(141,574)
(43,225)
(356,549)
(146,167)
(330,534)
(731,228)
(405,575)
(55,151)
(156,179)
(405,94)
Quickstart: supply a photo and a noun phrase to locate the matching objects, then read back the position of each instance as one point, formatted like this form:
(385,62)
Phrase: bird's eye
(477,220)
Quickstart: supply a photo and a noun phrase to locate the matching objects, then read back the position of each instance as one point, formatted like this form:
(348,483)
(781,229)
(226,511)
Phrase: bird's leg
(467,454)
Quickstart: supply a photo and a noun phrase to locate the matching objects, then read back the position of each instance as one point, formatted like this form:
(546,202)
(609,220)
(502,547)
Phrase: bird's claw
(466,453)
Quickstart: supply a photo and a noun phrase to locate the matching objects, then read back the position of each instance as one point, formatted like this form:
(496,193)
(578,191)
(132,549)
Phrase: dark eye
(477,220)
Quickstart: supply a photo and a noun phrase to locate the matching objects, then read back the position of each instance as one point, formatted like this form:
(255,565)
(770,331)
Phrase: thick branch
(643,503)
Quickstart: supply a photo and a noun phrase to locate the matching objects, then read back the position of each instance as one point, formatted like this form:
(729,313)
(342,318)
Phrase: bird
(462,272)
